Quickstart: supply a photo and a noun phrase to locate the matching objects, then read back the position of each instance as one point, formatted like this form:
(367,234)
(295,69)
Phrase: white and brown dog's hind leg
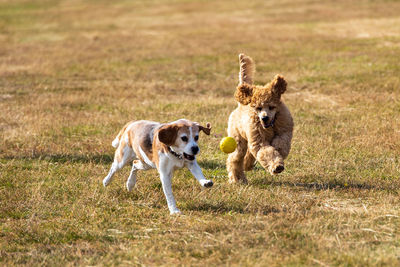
(195,169)
(123,155)
(136,165)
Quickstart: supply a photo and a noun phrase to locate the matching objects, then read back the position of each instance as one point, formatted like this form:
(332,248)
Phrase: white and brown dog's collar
(178,156)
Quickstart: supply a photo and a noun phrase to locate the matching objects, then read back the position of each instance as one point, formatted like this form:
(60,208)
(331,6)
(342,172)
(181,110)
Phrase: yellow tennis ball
(227,144)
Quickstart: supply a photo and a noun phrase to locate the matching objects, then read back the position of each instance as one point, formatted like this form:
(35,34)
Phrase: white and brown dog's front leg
(166,178)
(195,169)
(165,170)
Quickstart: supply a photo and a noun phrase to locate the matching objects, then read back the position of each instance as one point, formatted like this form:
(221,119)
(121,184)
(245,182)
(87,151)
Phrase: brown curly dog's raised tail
(261,124)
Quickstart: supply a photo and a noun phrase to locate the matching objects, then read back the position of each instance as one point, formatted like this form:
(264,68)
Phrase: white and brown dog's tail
(115,142)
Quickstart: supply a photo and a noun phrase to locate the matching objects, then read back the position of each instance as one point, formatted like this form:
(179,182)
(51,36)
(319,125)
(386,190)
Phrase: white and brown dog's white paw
(175,212)
(207,183)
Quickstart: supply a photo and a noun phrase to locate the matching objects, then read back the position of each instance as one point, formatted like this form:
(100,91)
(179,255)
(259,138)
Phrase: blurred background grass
(73,72)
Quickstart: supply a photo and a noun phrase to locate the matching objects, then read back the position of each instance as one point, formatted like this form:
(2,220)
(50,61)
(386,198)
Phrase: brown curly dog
(261,125)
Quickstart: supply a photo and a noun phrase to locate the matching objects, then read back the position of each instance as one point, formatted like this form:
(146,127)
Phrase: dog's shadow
(266,180)
(210,164)
(66,158)
(316,186)
(260,181)
(226,208)
(242,207)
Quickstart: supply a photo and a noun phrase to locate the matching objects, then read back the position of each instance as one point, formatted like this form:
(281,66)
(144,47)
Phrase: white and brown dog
(166,147)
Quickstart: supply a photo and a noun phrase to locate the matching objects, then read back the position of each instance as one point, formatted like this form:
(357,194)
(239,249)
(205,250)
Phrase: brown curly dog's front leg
(282,143)
(268,157)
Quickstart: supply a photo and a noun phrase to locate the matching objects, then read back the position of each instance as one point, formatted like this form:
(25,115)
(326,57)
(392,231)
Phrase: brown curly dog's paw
(276,168)
(279,169)
(238,179)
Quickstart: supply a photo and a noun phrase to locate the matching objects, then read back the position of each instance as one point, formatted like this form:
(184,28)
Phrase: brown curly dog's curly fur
(261,125)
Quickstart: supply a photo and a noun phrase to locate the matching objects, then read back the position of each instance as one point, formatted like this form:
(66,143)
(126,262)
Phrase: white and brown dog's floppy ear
(207,129)
(278,84)
(247,69)
(244,93)
(168,133)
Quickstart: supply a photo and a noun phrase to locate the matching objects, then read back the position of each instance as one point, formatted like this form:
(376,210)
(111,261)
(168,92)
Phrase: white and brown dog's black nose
(195,150)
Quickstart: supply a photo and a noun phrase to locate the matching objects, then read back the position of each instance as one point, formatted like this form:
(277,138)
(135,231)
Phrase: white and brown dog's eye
(184,138)
(271,108)
(196,138)
(259,109)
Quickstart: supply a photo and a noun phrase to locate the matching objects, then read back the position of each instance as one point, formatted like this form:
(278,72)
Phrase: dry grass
(73,72)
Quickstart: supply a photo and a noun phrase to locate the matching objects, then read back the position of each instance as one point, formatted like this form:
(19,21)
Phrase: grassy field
(73,72)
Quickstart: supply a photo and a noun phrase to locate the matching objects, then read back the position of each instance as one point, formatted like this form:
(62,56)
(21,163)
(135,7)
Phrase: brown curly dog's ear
(278,84)
(167,134)
(244,93)
(207,129)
